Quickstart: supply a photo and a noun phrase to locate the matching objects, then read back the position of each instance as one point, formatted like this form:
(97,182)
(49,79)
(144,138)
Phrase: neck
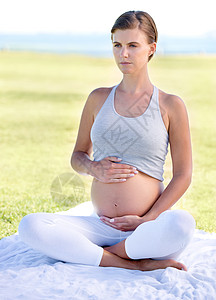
(134,84)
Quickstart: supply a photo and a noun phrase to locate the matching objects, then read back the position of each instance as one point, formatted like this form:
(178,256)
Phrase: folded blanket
(28,274)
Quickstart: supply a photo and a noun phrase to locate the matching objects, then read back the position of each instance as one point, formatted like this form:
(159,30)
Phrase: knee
(29,227)
(181,224)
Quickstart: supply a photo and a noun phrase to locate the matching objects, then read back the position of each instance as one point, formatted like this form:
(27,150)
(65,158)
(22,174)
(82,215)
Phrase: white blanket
(28,274)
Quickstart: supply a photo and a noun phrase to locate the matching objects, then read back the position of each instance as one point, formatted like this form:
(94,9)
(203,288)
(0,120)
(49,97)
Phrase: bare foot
(150,264)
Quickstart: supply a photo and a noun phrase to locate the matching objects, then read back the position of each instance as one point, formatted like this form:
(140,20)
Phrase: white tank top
(140,141)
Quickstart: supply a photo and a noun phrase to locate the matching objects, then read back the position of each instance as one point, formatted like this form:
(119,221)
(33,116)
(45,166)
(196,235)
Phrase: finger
(103,218)
(106,220)
(119,224)
(113,221)
(124,171)
(124,167)
(117,220)
(122,176)
(113,158)
(110,224)
(117,180)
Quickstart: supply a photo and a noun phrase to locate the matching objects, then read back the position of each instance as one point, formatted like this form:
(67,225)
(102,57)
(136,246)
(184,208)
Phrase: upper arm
(179,137)
(83,141)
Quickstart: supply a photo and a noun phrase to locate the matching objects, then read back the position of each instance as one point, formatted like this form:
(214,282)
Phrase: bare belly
(135,196)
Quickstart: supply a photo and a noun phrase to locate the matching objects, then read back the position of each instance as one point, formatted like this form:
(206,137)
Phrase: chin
(126,71)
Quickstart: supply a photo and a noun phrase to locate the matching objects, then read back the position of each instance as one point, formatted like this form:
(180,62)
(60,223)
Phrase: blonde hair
(132,19)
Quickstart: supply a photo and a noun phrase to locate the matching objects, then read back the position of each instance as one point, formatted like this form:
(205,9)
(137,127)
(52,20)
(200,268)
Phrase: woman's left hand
(125,223)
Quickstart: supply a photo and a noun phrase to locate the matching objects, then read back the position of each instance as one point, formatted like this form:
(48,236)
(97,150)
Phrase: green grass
(41,100)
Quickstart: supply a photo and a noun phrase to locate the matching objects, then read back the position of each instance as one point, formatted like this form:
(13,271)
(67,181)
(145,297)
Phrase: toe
(178,265)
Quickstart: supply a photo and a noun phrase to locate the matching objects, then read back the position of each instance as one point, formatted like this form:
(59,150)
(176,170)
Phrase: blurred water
(100,44)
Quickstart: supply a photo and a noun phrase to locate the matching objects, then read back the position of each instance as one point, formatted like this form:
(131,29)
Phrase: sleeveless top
(140,141)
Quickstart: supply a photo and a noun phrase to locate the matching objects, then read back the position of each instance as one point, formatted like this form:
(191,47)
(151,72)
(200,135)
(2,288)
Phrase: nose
(124,52)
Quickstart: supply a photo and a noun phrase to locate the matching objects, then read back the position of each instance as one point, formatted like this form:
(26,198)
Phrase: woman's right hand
(108,171)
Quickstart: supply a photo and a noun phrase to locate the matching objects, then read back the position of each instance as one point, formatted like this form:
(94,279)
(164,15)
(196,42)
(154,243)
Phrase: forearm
(81,163)
(172,193)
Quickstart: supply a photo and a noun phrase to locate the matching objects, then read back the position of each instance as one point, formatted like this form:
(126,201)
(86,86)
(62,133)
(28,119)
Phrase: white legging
(79,239)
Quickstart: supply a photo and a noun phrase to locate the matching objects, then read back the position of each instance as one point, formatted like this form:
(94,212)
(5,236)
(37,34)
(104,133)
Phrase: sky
(173,18)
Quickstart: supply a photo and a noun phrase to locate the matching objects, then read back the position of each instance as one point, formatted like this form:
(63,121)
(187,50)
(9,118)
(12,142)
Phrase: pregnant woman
(127,128)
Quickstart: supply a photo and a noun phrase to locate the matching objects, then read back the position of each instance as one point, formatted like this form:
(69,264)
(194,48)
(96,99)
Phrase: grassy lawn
(41,100)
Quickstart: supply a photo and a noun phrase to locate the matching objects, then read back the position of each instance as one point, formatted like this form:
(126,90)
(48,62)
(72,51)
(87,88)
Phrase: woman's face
(131,50)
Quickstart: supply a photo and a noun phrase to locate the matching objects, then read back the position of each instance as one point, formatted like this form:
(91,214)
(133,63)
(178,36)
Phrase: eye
(132,46)
(116,45)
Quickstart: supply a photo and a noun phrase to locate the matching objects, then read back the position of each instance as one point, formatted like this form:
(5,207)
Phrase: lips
(125,63)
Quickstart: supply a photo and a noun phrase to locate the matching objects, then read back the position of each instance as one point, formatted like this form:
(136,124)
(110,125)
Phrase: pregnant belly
(135,196)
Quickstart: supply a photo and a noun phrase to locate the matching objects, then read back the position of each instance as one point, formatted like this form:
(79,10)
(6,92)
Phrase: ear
(152,48)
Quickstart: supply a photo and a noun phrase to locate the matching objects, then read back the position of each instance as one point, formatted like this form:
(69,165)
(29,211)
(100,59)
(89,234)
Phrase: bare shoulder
(171,104)
(99,93)
(173,109)
(97,98)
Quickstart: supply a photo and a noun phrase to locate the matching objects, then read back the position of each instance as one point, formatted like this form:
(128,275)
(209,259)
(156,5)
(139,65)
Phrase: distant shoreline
(100,44)
(85,55)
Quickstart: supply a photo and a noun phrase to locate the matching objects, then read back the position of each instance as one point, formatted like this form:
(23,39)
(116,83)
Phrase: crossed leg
(162,240)
(116,256)
(153,245)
